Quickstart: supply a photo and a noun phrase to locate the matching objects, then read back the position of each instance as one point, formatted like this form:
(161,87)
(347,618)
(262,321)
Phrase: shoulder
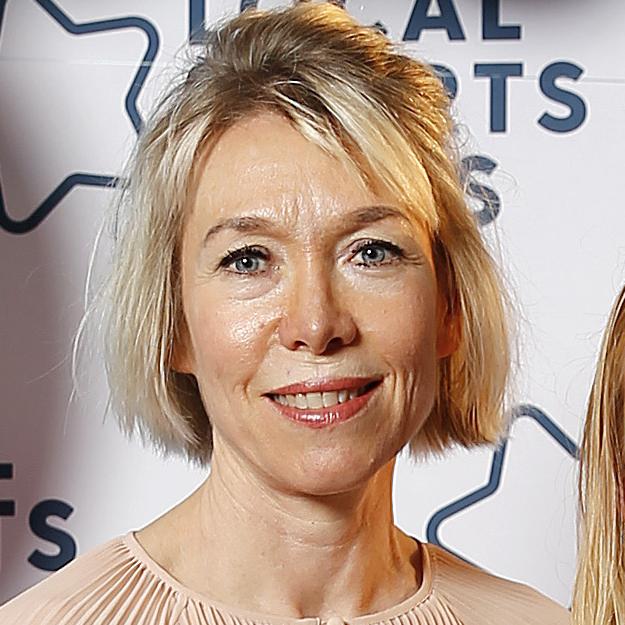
(480,598)
(100,586)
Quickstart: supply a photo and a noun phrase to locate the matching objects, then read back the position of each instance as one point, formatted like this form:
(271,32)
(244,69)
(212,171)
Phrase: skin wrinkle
(280,506)
(295,521)
(249,223)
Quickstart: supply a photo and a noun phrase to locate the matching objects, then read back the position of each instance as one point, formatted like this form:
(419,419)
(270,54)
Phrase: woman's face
(294,275)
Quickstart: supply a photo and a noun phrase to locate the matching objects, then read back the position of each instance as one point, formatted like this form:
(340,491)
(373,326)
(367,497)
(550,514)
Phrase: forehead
(264,165)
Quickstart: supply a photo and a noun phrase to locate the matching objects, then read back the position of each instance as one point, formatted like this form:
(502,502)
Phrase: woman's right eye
(248,260)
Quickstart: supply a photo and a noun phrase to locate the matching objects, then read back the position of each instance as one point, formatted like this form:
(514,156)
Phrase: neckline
(419,596)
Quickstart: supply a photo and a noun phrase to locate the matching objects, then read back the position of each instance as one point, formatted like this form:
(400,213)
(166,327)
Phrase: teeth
(330,398)
(313,401)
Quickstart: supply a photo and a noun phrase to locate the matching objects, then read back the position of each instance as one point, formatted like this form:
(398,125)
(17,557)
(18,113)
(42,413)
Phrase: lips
(322,403)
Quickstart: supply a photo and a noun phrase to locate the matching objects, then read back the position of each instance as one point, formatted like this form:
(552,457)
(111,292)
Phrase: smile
(324,399)
(321,408)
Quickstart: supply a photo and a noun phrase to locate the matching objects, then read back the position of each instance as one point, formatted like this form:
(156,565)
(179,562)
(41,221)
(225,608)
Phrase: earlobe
(181,360)
(180,365)
(449,333)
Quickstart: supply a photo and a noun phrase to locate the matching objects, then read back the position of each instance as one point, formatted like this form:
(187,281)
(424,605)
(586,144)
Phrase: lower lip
(324,417)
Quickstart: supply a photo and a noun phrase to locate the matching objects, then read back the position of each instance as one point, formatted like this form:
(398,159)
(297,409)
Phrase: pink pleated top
(119,584)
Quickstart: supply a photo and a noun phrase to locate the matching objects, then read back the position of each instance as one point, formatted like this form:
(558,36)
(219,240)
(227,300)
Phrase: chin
(332,471)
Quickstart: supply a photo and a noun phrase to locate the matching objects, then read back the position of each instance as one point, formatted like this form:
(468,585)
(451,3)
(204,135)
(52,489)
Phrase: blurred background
(539,98)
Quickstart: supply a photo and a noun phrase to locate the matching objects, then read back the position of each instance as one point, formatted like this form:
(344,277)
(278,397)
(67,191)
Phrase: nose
(315,319)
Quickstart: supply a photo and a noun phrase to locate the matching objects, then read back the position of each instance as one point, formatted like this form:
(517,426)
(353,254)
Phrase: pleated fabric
(119,584)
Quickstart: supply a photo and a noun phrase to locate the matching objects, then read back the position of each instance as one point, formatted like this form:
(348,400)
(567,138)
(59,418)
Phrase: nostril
(335,343)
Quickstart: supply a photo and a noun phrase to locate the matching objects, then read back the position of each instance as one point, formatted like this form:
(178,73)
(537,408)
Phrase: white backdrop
(77,76)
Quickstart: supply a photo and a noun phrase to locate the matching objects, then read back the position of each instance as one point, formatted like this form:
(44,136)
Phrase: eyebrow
(359,217)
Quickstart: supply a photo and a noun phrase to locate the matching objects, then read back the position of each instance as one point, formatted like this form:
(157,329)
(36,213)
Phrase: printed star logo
(26,97)
(520,488)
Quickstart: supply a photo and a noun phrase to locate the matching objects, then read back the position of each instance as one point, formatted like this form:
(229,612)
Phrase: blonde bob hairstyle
(345,87)
(599,595)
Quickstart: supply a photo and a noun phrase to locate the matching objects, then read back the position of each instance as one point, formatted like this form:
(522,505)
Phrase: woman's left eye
(376,252)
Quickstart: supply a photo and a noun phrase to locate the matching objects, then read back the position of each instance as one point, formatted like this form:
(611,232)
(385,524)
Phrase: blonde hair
(345,87)
(599,595)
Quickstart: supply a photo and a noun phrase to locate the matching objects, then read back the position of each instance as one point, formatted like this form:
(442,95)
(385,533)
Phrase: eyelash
(251,251)
(247,251)
(397,252)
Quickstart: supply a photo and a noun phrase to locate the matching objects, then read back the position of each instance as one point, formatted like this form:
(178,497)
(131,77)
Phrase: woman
(599,597)
(299,292)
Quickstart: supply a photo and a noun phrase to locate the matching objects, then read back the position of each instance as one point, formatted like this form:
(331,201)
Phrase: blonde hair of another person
(599,596)
(348,89)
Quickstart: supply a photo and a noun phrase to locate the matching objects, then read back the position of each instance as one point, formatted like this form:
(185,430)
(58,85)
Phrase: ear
(449,331)
(182,360)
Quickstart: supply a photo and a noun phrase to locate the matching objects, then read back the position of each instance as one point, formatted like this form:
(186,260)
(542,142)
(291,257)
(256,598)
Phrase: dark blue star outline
(81,178)
(496,470)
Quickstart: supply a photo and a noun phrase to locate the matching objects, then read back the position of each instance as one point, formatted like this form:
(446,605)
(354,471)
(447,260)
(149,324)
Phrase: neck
(259,548)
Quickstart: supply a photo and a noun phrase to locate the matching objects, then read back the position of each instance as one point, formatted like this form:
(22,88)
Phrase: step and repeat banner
(539,97)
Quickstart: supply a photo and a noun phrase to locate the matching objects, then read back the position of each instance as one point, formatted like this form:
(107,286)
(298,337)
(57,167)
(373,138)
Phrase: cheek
(404,326)
(228,338)
(405,332)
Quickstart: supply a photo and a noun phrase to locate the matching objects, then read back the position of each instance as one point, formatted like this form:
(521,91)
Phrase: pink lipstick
(320,403)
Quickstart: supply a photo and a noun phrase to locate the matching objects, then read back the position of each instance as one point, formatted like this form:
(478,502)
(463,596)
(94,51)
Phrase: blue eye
(377,252)
(246,260)
(246,264)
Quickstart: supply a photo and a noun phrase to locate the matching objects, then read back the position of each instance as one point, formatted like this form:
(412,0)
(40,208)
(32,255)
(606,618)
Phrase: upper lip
(324,385)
